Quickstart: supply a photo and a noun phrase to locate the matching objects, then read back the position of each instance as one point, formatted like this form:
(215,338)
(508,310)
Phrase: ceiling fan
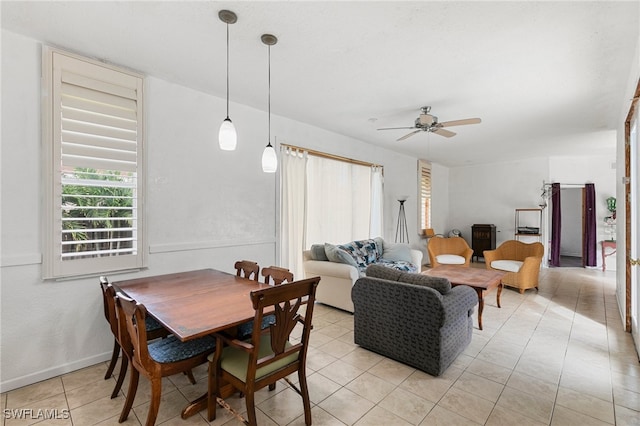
(429,123)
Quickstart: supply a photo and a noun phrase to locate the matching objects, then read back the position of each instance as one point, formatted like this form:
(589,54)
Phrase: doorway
(571,236)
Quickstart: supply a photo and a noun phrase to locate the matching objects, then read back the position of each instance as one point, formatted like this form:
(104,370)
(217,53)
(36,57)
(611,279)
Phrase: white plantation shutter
(94,137)
(424,174)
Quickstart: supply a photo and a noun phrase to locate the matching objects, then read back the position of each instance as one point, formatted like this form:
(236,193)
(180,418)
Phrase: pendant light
(269,157)
(227,136)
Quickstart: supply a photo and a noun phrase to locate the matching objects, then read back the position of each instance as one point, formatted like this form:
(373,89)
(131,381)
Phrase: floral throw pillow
(364,252)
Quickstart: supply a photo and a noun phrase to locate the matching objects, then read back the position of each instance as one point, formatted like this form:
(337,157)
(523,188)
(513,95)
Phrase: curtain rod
(331,156)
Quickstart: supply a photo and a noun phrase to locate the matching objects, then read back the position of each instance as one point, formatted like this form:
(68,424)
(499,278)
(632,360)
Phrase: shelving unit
(528,224)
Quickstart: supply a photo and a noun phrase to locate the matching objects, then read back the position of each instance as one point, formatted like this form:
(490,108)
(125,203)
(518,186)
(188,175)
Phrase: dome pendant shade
(227,137)
(269,159)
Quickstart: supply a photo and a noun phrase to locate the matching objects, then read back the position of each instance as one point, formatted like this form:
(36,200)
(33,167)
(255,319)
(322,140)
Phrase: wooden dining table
(193,304)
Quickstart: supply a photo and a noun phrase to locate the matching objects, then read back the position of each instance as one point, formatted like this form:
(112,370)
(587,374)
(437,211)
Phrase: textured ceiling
(547,78)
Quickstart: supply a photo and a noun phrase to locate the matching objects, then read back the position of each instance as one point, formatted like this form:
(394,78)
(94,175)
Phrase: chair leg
(192,379)
(131,395)
(304,391)
(251,408)
(212,392)
(154,405)
(114,359)
(123,371)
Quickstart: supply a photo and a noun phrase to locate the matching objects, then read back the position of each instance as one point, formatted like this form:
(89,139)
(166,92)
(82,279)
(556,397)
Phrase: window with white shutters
(424,174)
(94,156)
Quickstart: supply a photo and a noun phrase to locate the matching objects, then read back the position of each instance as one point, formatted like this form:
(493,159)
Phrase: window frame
(54,61)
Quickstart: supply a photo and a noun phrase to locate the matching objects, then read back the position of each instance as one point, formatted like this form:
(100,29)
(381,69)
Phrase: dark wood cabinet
(483,237)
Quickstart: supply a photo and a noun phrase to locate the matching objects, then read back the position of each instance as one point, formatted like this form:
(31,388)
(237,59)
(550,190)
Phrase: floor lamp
(402,233)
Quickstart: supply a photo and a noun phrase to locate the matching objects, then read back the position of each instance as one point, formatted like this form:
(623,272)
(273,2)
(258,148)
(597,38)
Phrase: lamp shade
(227,137)
(269,159)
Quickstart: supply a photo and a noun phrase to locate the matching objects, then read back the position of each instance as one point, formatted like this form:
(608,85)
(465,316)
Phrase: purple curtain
(589,249)
(556,224)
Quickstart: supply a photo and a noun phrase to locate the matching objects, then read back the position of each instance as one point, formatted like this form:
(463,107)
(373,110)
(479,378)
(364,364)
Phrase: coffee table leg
(498,295)
(480,306)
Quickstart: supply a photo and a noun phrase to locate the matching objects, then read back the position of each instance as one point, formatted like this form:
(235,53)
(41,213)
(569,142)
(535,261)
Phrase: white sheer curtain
(326,200)
(338,201)
(292,215)
(377,190)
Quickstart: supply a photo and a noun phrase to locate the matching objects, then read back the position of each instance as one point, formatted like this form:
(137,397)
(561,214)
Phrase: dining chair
(154,360)
(277,274)
(248,269)
(270,355)
(154,331)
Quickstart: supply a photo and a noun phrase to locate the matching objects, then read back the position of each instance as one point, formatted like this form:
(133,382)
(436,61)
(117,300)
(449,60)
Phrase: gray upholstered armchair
(415,319)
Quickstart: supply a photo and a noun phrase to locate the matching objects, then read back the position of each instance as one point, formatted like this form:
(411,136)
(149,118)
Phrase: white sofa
(338,278)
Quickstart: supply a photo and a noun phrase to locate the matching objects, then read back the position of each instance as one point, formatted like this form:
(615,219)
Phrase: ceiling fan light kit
(427,122)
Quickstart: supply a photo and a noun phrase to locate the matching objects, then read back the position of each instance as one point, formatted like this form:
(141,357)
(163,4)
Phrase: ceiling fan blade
(444,132)
(408,135)
(396,128)
(459,122)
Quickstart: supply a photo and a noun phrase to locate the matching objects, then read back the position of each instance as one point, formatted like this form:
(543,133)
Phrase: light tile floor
(556,357)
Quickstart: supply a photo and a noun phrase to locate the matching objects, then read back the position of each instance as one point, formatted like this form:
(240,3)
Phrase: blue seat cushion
(172,349)
(151,324)
(245,330)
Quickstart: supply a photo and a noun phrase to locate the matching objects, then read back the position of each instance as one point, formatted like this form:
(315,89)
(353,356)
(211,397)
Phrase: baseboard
(39,376)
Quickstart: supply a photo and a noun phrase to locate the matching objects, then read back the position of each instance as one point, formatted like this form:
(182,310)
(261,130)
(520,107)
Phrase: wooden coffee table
(480,280)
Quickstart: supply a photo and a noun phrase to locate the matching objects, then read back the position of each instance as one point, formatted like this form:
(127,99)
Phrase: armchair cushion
(507,265)
(450,259)
(442,285)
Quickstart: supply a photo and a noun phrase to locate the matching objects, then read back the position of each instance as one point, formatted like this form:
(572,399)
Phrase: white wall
(490,194)
(207,208)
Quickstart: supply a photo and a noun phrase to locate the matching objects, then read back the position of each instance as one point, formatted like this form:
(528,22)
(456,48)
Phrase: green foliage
(103,208)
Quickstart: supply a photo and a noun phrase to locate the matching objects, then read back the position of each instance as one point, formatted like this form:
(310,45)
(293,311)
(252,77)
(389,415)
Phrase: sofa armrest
(459,301)
(416,258)
(325,268)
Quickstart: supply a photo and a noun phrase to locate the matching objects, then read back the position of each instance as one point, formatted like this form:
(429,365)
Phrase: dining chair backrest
(277,274)
(272,355)
(109,305)
(166,357)
(248,269)
(133,338)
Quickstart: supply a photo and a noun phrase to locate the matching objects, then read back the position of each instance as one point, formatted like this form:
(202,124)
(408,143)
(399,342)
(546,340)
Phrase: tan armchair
(520,260)
(449,251)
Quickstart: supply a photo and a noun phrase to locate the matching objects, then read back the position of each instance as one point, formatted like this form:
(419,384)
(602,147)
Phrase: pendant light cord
(269,101)
(227,70)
